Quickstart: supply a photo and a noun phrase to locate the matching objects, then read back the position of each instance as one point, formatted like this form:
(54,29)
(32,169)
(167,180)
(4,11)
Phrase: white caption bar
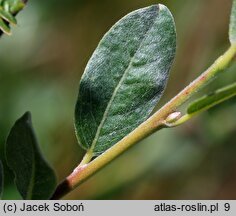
(118,208)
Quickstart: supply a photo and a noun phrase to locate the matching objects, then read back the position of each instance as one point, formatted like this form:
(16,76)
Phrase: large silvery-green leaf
(232,27)
(125,77)
(1,179)
(34,178)
(212,99)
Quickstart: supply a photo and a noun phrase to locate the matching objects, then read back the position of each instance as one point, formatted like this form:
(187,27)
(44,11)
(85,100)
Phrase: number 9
(227,206)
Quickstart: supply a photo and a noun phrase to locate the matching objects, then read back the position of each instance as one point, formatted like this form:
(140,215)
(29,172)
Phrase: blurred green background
(41,65)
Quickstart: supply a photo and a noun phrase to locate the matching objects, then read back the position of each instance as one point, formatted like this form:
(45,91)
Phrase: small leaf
(1,179)
(213,99)
(232,26)
(125,77)
(4,27)
(7,16)
(15,6)
(34,178)
(8,10)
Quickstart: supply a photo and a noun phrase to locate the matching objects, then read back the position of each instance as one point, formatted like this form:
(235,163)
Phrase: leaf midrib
(115,91)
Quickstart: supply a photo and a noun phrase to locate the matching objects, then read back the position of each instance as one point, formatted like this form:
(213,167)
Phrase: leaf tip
(161,6)
(26,117)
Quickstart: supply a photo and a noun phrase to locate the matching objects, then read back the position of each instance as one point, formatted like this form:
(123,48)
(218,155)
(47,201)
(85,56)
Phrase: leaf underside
(232,27)
(125,77)
(1,179)
(213,99)
(34,178)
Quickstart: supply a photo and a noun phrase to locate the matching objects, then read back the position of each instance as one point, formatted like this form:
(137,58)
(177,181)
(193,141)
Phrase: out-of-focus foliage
(41,65)
(8,10)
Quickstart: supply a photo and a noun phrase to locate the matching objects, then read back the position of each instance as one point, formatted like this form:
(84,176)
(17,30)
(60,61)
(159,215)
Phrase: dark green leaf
(125,77)
(213,99)
(34,178)
(1,179)
(232,26)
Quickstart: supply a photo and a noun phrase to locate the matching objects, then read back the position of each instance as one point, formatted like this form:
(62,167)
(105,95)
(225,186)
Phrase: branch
(151,125)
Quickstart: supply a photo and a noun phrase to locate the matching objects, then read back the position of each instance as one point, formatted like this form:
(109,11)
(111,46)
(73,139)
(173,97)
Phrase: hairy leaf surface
(125,77)
(213,99)
(34,178)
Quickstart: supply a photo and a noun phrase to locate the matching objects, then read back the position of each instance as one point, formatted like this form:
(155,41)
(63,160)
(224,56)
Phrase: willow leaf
(125,77)
(213,99)
(34,178)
